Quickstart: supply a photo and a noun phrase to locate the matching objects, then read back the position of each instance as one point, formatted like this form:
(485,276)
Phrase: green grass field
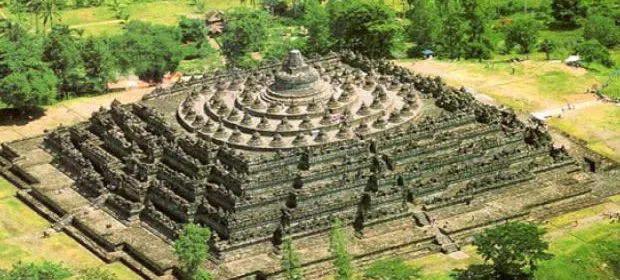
(21,239)
(577,253)
(99,21)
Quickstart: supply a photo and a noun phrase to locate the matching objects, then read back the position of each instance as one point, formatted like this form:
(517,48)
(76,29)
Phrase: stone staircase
(421,219)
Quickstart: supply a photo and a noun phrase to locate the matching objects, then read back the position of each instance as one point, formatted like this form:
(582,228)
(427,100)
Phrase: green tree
(25,81)
(150,50)
(62,54)
(192,30)
(592,50)
(338,247)
(568,12)
(192,249)
(97,274)
(246,32)
(99,65)
(36,271)
(603,29)
(391,269)
(316,21)
(12,30)
(36,8)
(291,265)
(369,27)
(425,26)
(513,248)
(478,45)
(275,7)
(51,11)
(522,32)
(453,32)
(119,7)
(547,46)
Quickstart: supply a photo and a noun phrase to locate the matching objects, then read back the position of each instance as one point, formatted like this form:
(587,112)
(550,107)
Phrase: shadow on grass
(12,116)
(561,26)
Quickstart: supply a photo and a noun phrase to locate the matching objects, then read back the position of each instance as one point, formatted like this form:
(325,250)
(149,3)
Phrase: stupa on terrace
(299,106)
(412,165)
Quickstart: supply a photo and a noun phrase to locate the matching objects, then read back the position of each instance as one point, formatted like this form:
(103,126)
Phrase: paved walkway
(557,112)
(66,113)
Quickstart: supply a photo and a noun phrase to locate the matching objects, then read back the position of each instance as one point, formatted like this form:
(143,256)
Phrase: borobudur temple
(412,165)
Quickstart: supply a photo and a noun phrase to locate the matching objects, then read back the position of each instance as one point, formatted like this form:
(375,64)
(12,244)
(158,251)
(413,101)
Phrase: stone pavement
(66,113)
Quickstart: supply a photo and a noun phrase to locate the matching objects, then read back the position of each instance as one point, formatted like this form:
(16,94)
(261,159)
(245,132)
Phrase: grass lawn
(576,251)
(21,240)
(101,20)
(599,126)
(538,85)
(578,256)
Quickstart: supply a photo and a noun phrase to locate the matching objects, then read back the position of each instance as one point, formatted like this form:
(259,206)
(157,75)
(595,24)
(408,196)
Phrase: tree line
(37,69)
(510,250)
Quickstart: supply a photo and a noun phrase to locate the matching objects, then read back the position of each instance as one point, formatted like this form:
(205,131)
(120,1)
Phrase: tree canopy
(593,51)
(513,248)
(63,56)
(26,82)
(369,27)
(36,271)
(291,265)
(245,32)
(192,249)
(522,32)
(316,21)
(568,12)
(338,246)
(99,64)
(602,29)
(151,50)
(425,28)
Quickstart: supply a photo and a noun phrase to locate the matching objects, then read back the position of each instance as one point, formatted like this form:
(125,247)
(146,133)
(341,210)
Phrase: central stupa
(297,81)
(299,104)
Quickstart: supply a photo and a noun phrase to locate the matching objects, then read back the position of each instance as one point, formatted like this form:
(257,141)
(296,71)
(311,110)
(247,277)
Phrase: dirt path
(96,23)
(66,113)
(528,93)
(523,90)
(558,112)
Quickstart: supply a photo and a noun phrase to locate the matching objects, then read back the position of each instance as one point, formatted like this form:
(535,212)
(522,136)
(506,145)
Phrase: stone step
(63,222)
(421,219)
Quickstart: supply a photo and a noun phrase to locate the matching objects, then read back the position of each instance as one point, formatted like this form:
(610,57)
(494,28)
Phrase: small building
(428,54)
(573,60)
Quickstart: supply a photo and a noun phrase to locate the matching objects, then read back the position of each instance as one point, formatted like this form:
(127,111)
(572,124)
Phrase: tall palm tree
(50,11)
(35,7)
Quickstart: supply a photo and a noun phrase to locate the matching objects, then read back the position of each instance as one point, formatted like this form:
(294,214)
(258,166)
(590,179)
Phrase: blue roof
(427,52)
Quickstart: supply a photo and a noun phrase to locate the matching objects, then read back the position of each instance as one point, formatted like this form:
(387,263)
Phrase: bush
(36,271)
(196,50)
(603,29)
(192,30)
(593,51)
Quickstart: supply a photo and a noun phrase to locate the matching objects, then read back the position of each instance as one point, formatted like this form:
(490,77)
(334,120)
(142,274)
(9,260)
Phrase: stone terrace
(412,165)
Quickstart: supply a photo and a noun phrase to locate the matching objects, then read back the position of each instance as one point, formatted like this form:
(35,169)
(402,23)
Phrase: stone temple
(412,165)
